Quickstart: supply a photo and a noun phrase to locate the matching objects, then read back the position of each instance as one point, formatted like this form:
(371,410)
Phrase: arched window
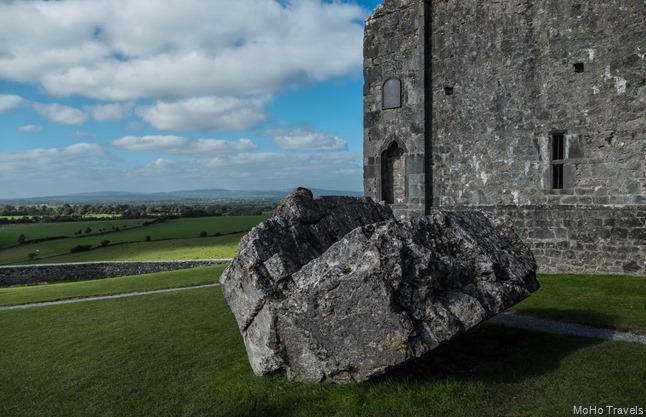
(393,187)
(392,94)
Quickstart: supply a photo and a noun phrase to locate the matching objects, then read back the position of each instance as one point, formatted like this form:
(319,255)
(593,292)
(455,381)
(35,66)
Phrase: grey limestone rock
(336,289)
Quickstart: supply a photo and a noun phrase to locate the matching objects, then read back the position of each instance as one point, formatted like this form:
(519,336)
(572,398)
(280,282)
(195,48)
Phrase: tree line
(76,212)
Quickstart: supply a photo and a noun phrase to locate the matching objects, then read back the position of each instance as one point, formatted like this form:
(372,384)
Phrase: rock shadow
(585,317)
(494,353)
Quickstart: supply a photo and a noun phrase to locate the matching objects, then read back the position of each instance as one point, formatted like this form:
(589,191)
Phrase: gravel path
(508,319)
(558,327)
(104,297)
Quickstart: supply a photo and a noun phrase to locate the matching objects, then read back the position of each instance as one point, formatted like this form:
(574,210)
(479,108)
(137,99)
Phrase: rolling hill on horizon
(180,195)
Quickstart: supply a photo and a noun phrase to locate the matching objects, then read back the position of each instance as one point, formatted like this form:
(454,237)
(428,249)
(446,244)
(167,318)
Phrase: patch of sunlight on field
(172,239)
(215,247)
(179,250)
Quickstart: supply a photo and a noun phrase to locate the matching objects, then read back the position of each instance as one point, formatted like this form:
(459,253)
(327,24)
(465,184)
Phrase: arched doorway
(393,187)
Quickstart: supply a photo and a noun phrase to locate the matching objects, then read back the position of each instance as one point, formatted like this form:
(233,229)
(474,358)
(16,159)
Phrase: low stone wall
(27,274)
(582,240)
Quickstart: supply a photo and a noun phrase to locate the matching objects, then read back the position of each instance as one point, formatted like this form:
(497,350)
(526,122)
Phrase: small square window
(579,67)
(448,91)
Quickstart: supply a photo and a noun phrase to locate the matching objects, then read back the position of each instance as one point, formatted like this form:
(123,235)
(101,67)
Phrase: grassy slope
(198,248)
(180,354)
(145,282)
(179,234)
(9,232)
(615,302)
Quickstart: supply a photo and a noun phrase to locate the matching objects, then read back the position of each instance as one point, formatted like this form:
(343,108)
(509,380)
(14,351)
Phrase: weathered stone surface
(335,289)
(261,273)
(486,86)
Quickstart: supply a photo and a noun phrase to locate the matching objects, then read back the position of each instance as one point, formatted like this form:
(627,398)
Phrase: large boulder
(336,289)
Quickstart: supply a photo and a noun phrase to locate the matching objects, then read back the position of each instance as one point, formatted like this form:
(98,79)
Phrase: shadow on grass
(458,378)
(576,316)
(495,353)
(474,374)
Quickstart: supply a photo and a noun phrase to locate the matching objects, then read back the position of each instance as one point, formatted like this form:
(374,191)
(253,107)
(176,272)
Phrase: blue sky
(128,95)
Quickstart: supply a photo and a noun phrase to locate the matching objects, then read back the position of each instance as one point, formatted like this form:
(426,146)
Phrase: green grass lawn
(615,302)
(173,239)
(80,289)
(180,354)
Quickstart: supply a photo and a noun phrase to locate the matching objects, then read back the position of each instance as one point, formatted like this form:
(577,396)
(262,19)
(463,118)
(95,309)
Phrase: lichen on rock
(336,289)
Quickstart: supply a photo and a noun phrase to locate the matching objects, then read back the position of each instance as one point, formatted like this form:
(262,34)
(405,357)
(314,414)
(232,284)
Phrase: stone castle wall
(591,240)
(513,73)
(503,83)
(28,274)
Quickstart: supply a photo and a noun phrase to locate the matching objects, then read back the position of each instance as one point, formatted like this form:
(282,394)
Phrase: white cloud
(127,50)
(306,140)
(83,134)
(9,102)
(341,171)
(178,145)
(88,167)
(40,37)
(49,161)
(30,129)
(45,156)
(75,168)
(135,126)
(82,149)
(184,65)
(114,111)
(205,113)
(61,114)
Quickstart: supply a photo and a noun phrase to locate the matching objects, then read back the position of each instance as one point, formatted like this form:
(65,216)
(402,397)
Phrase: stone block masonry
(533,108)
(548,103)
(29,274)
(594,240)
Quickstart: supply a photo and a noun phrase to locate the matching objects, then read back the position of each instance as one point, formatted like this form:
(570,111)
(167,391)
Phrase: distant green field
(9,233)
(197,248)
(173,239)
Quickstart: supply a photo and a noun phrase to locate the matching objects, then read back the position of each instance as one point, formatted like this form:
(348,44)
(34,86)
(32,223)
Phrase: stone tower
(535,109)
(397,157)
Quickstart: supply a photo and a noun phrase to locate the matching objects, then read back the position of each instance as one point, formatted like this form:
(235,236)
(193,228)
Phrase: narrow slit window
(558,156)
(557,177)
(558,147)
(579,67)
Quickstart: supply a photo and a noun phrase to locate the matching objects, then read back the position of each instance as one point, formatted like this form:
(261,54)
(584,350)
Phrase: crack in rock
(336,289)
